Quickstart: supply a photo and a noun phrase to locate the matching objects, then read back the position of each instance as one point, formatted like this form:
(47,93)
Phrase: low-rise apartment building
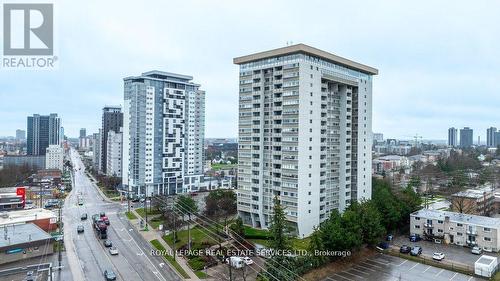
(457,228)
(474,201)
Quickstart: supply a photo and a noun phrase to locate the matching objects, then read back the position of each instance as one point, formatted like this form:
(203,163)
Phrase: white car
(113,251)
(247,260)
(476,250)
(438,256)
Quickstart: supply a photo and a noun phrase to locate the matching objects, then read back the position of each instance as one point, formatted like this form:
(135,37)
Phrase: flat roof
(157,74)
(22,233)
(22,216)
(458,217)
(303,48)
(486,260)
(473,193)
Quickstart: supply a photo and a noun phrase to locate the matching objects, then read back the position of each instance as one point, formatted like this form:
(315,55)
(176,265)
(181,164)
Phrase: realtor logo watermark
(28,36)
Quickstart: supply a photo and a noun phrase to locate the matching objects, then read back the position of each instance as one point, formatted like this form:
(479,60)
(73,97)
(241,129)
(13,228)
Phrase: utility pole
(146,212)
(59,257)
(175,224)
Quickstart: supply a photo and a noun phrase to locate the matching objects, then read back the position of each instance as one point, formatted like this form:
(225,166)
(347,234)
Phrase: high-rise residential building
(163,133)
(466,137)
(378,137)
(20,134)
(305,135)
(112,120)
(43,130)
(83,132)
(452,137)
(96,150)
(490,136)
(496,139)
(54,157)
(114,157)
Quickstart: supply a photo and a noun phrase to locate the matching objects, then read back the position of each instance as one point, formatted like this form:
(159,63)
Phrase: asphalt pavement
(87,256)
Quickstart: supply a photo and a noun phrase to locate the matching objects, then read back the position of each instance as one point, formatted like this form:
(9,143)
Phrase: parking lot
(453,253)
(388,268)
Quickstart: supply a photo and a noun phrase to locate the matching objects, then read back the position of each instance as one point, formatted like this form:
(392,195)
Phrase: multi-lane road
(87,256)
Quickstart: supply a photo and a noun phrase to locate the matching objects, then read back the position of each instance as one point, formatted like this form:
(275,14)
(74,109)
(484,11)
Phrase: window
(487,229)
(459,234)
(440,222)
(417,226)
(459,224)
(440,230)
(487,239)
(417,218)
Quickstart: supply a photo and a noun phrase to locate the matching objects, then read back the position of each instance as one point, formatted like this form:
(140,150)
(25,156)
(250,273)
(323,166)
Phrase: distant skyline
(437,69)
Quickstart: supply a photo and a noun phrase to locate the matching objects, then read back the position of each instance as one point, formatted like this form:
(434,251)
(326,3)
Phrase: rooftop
(473,193)
(22,233)
(22,216)
(487,260)
(458,217)
(305,49)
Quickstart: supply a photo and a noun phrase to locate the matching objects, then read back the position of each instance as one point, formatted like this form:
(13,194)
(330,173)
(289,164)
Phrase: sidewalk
(154,234)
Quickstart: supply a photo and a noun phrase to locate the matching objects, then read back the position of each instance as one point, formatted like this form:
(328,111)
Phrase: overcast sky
(438,61)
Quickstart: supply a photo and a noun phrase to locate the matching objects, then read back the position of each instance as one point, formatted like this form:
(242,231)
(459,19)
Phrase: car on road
(438,256)
(113,251)
(405,249)
(476,250)
(80,229)
(416,251)
(105,220)
(108,243)
(247,260)
(84,216)
(102,214)
(109,275)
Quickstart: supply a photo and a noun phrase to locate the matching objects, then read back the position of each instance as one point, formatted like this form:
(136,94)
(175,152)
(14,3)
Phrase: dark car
(383,245)
(389,237)
(405,249)
(107,243)
(80,228)
(416,251)
(84,216)
(109,275)
(415,238)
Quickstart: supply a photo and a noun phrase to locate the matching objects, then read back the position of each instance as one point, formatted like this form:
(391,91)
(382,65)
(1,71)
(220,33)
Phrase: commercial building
(43,130)
(37,162)
(20,134)
(45,219)
(490,136)
(452,137)
(114,158)
(112,120)
(457,228)
(54,158)
(305,135)
(163,133)
(466,137)
(96,150)
(24,241)
(11,199)
(474,201)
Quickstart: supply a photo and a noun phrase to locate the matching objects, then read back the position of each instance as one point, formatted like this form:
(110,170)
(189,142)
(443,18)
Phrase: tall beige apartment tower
(305,135)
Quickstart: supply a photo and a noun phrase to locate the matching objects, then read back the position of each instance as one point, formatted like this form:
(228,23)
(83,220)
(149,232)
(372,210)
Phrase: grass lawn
(201,274)
(169,258)
(155,223)
(142,213)
(217,167)
(130,215)
(198,236)
(249,231)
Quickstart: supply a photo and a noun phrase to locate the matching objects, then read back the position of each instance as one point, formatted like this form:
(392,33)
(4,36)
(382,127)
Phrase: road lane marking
(439,272)
(427,268)
(365,263)
(453,276)
(362,272)
(363,268)
(378,262)
(355,275)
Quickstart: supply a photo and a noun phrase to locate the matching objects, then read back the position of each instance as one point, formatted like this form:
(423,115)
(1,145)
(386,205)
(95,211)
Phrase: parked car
(383,245)
(415,238)
(389,237)
(113,251)
(79,228)
(108,243)
(416,251)
(438,256)
(109,275)
(476,250)
(247,260)
(405,249)
(84,216)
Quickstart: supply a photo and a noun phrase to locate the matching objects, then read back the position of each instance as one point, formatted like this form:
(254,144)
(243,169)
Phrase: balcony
(471,232)
(428,225)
